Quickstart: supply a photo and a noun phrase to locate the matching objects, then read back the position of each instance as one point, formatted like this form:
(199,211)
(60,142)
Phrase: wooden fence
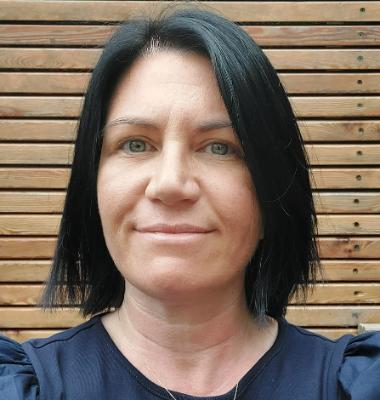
(327,54)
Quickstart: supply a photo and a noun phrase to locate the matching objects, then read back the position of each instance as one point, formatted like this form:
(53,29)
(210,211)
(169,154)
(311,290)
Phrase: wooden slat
(21,335)
(47,224)
(351,270)
(349,316)
(57,178)
(47,107)
(38,130)
(24,270)
(16,224)
(354,154)
(34,178)
(333,315)
(337,293)
(348,224)
(52,202)
(349,247)
(239,11)
(359,130)
(333,333)
(295,83)
(68,58)
(330,83)
(97,35)
(335,248)
(341,293)
(27,248)
(282,59)
(30,317)
(65,130)
(320,59)
(347,202)
(333,270)
(368,328)
(32,202)
(347,178)
(61,154)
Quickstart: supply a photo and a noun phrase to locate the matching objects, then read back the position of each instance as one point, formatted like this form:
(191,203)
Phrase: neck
(202,348)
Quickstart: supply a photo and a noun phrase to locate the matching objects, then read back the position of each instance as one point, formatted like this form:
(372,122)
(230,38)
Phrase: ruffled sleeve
(18,380)
(359,375)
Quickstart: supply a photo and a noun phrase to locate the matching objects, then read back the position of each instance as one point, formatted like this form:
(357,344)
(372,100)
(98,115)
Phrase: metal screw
(362,9)
(361,130)
(359,153)
(356,201)
(358,177)
(355,271)
(359,81)
(357,247)
(360,58)
(360,105)
(356,224)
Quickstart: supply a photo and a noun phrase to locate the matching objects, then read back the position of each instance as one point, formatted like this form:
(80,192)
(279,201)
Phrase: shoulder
(359,374)
(17,375)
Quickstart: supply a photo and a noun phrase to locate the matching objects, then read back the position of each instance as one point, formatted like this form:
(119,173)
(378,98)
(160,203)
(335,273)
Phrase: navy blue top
(84,363)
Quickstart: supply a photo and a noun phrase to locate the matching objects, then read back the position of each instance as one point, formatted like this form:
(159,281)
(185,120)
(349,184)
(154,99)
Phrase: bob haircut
(83,273)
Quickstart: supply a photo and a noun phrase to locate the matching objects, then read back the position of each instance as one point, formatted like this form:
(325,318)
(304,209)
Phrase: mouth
(175,229)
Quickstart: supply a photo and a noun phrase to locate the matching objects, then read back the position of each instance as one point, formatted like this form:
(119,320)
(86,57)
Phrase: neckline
(252,374)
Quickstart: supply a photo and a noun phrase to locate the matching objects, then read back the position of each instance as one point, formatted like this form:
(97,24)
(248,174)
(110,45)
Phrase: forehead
(168,83)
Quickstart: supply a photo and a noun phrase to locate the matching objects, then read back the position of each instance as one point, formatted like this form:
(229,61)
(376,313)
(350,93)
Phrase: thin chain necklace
(172,396)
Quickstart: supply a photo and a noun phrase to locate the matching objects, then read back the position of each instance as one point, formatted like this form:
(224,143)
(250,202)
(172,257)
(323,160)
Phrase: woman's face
(176,202)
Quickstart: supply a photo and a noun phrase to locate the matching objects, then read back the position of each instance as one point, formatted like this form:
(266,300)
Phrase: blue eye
(135,146)
(219,148)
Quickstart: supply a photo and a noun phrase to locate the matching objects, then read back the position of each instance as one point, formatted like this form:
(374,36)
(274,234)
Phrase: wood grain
(240,11)
(264,35)
(282,59)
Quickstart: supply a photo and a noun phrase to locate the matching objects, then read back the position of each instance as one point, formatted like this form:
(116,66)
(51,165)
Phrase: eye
(220,148)
(136,146)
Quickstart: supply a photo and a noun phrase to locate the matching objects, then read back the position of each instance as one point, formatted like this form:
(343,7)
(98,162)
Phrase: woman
(188,224)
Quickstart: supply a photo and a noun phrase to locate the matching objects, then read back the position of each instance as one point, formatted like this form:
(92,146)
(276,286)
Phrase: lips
(173,229)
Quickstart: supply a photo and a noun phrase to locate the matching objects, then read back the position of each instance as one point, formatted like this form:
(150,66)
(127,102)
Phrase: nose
(172,178)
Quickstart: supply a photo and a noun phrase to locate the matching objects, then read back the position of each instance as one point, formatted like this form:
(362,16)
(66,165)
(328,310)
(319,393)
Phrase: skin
(170,156)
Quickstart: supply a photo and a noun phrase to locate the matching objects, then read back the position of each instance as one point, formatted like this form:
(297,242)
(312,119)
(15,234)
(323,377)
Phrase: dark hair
(83,273)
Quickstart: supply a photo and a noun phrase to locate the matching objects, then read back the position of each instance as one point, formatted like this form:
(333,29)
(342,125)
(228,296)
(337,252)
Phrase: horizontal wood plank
(313,316)
(61,154)
(350,270)
(239,11)
(295,83)
(333,270)
(24,270)
(32,317)
(345,178)
(347,202)
(329,247)
(47,224)
(34,178)
(282,59)
(326,202)
(349,316)
(28,248)
(332,293)
(305,107)
(349,247)
(315,131)
(264,35)
(57,178)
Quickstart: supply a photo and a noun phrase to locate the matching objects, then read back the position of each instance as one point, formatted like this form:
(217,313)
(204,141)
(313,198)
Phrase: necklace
(172,395)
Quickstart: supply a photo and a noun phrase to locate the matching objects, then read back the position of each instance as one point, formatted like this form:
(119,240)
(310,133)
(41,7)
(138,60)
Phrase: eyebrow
(203,127)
